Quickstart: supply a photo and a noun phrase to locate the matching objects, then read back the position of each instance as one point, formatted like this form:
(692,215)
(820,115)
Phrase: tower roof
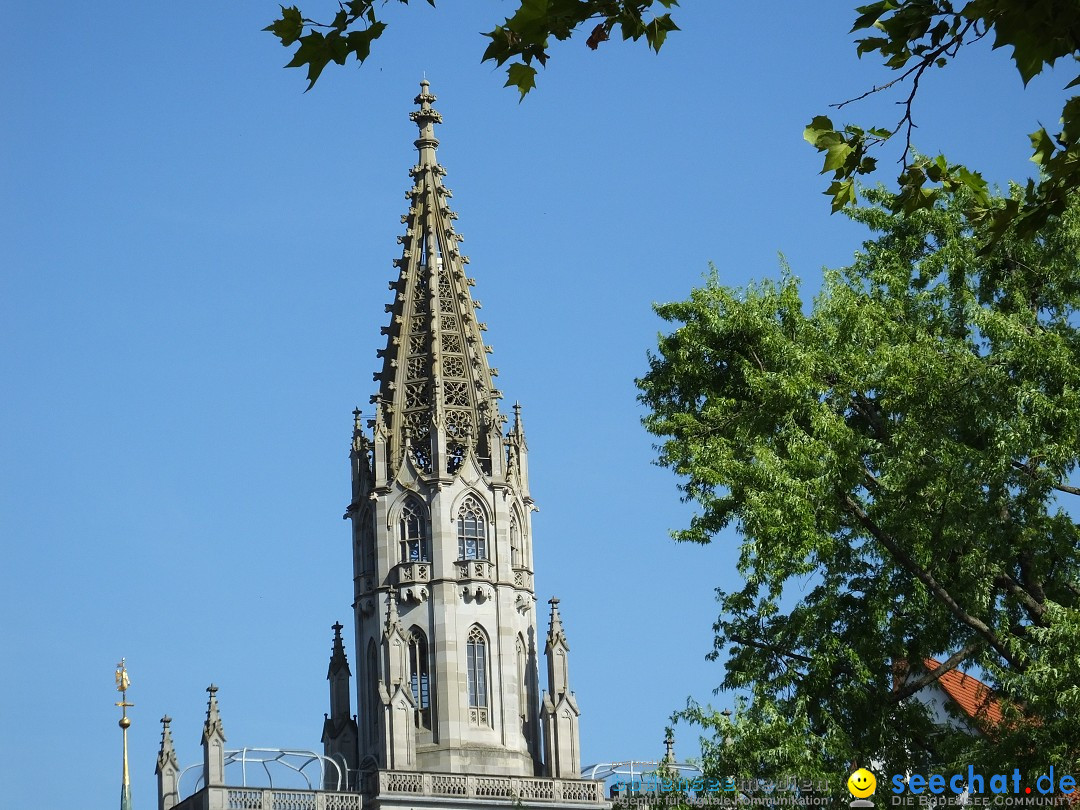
(436,394)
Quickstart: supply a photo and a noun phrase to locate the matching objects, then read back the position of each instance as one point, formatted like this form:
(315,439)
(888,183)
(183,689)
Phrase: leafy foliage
(910,36)
(522,39)
(914,36)
(893,459)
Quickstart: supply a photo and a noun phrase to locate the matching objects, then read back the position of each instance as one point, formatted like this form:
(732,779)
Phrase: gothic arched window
(419,677)
(472,531)
(515,543)
(476,660)
(414,545)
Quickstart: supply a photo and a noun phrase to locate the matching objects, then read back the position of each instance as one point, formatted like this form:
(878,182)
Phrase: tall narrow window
(515,543)
(414,545)
(419,677)
(374,705)
(472,531)
(523,679)
(476,658)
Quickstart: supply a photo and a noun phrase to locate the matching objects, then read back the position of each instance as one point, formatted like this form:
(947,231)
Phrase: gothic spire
(166,753)
(436,396)
(560,711)
(556,634)
(167,769)
(213,742)
(213,717)
(338,661)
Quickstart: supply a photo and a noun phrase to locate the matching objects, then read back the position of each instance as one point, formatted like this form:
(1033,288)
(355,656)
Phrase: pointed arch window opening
(420,445)
(472,531)
(476,661)
(367,547)
(414,540)
(516,557)
(455,456)
(420,677)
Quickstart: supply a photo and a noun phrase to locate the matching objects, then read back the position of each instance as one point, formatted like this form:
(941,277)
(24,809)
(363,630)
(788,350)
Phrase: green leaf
(359,42)
(818,126)
(1043,146)
(836,157)
(657,30)
(289,28)
(314,51)
(842,193)
(523,77)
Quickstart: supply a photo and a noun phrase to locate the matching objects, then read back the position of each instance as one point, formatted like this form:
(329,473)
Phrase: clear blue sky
(193,266)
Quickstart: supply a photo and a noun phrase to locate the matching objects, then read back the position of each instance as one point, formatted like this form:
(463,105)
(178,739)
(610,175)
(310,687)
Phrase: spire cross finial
(426,118)
(212,689)
(337,628)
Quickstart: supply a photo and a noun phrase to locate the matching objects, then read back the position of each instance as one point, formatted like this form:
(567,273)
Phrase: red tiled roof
(974,697)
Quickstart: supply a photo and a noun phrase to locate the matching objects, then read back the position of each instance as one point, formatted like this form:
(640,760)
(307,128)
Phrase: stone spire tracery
(436,396)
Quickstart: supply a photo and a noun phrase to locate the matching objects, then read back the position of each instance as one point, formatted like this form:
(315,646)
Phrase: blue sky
(193,268)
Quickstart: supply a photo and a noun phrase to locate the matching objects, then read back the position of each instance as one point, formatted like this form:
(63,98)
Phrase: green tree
(894,460)
(914,37)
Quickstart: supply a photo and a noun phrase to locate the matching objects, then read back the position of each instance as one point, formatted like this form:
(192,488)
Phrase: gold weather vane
(122,684)
(122,680)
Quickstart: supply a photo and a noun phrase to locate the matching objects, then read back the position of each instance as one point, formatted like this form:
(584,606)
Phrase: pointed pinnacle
(213,718)
(425,118)
(556,619)
(392,617)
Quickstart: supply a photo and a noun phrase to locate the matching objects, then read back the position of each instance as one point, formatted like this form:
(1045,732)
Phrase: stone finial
(426,118)
(213,742)
(166,752)
(378,423)
(556,629)
(213,717)
(338,660)
(168,769)
(393,620)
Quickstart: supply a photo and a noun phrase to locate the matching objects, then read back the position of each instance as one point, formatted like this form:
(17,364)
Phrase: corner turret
(339,735)
(560,713)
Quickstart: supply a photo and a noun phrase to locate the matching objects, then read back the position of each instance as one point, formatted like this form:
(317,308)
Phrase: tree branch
(1036,611)
(1027,468)
(761,645)
(930,581)
(927,678)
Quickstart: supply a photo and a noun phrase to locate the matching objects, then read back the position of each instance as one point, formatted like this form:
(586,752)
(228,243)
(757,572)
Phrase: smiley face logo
(862,783)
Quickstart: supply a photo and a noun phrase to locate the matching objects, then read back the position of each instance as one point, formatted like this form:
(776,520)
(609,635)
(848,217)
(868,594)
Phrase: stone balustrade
(393,786)
(254,798)
(385,784)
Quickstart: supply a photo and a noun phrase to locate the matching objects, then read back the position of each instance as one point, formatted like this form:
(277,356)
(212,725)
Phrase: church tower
(444,610)
(449,712)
